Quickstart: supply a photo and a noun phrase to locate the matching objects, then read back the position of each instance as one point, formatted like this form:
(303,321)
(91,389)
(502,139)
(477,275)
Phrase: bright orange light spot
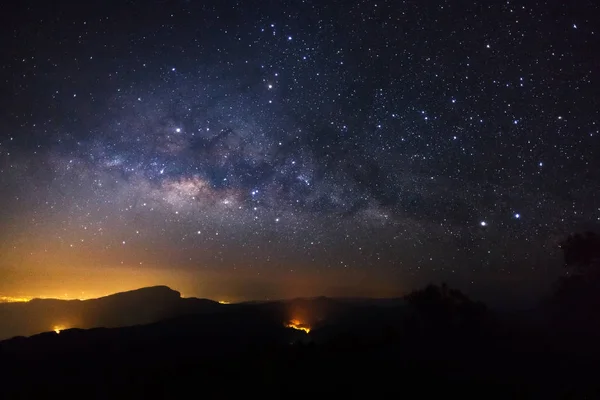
(58,328)
(296,324)
(223,302)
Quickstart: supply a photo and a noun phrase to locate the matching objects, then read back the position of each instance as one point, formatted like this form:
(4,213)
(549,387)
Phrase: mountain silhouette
(353,347)
(141,306)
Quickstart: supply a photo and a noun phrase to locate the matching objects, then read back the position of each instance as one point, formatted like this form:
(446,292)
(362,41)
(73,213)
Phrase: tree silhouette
(576,296)
(582,252)
(442,306)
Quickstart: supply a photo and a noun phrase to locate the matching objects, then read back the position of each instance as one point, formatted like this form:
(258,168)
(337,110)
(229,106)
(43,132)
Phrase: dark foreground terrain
(429,344)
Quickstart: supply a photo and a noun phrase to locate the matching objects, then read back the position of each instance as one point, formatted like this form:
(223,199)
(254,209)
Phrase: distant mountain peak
(155,289)
(134,307)
(160,291)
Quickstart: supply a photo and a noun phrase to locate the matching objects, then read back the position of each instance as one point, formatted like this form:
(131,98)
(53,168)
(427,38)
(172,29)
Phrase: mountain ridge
(133,307)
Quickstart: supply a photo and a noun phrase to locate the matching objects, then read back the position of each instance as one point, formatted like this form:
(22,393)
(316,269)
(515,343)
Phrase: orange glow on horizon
(299,326)
(68,278)
(26,299)
(10,299)
(85,283)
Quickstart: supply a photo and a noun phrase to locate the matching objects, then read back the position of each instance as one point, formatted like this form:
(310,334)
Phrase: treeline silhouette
(433,342)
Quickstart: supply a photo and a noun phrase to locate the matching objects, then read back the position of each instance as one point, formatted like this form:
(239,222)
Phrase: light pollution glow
(9,299)
(58,328)
(77,279)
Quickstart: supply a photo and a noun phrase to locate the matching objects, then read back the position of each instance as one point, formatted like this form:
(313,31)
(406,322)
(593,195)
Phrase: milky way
(371,146)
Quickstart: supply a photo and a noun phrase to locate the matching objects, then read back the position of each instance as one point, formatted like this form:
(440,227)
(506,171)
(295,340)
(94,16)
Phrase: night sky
(265,149)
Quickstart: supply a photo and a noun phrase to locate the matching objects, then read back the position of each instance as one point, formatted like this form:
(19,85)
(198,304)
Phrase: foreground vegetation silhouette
(435,341)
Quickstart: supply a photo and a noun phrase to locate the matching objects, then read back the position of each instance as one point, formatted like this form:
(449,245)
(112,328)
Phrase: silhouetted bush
(445,308)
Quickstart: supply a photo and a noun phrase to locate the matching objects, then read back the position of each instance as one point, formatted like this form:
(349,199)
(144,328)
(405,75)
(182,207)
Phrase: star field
(272,150)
